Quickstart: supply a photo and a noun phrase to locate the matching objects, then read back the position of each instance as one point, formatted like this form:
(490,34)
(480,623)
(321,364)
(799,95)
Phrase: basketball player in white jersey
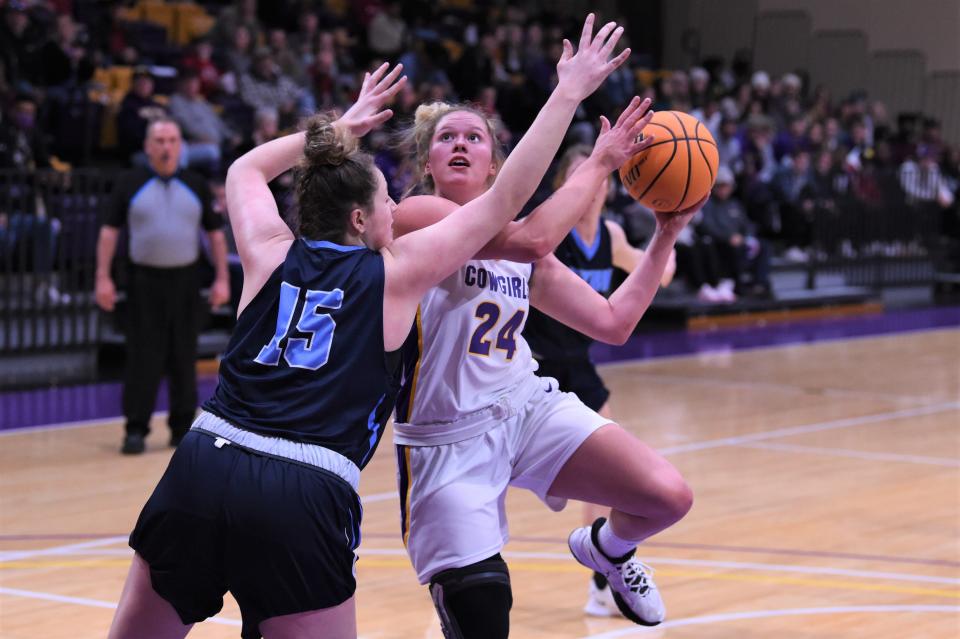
(473,417)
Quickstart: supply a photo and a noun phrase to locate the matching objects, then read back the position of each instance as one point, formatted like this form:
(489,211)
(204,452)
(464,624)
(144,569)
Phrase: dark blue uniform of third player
(305,390)
(562,352)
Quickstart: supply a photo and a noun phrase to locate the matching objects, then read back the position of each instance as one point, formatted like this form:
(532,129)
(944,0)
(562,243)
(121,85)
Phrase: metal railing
(48,232)
(880,239)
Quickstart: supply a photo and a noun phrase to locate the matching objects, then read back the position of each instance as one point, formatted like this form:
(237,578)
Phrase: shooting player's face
(461,152)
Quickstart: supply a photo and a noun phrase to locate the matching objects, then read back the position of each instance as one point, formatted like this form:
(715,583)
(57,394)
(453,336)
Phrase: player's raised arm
(415,264)
(608,320)
(539,233)
(261,234)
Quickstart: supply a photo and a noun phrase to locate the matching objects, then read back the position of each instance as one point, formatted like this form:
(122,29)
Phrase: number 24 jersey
(466,348)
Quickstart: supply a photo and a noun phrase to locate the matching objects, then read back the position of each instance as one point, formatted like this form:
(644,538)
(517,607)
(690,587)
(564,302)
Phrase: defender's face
(379,218)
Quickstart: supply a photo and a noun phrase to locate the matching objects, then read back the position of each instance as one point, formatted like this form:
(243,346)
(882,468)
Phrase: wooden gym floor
(827,482)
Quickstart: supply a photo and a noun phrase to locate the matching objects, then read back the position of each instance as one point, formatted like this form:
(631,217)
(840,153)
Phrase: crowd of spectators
(804,172)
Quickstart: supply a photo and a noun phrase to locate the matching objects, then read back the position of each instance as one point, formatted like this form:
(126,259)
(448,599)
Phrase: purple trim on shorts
(29,408)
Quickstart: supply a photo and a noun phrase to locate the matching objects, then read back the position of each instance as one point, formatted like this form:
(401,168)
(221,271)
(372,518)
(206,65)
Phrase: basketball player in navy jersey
(260,499)
(594,247)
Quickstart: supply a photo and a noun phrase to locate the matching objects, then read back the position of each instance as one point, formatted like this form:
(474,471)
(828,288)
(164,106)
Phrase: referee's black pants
(162,327)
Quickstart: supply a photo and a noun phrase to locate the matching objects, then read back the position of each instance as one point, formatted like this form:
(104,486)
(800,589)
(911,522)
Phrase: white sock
(612,545)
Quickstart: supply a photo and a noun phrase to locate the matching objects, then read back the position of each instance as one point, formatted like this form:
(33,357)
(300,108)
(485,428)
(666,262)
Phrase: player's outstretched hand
(673,222)
(378,88)
(615,145)
(580,73)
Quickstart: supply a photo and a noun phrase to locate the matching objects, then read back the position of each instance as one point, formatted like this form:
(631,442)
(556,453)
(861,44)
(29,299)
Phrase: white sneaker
(725,292)
(634,593)
(708,294)
(796,254)
(600,602)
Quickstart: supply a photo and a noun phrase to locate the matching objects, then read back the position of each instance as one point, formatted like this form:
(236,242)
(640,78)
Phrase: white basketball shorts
(452,495)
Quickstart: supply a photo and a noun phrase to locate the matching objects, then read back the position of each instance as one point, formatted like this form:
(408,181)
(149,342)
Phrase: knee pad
(474,602)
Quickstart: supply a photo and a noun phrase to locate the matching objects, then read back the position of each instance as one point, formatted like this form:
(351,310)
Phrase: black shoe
(176,438)
(133,444)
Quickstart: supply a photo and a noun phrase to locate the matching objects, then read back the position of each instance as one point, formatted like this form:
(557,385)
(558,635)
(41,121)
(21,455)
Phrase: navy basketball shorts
(579,377)
(278,534)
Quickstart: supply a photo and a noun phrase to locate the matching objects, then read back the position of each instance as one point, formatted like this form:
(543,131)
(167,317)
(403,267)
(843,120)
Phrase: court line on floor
(569,566)
(86,423)
(707,563)
(794,552)
(17,555)
(766,614)
(858,454)
(562,557)
(91,603)
(817,427)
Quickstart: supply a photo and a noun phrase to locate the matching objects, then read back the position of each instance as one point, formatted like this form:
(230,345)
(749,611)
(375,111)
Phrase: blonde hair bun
(427,112)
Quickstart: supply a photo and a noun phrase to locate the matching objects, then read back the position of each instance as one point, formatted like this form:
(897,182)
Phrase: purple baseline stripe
(22,409)
(41,406)
(665,344)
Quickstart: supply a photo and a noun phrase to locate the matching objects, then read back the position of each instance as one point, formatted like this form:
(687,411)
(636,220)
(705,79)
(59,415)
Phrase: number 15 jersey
(306,360)
(466,349)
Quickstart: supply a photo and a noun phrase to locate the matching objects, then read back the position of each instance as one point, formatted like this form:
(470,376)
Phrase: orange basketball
(679,168)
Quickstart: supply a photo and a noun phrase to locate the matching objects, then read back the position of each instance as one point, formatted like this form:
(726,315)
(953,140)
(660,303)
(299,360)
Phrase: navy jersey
(548,338)
(306,360)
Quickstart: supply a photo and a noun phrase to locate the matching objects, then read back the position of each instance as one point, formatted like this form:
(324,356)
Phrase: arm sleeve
(115,212)
(210,220)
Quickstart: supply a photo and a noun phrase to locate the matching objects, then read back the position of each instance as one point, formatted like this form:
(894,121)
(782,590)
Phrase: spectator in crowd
(824,194)
(303,41)
(744,258)
(19,39)
(243,13)
(205,133)
(287,61)
(25,228)
(790,139)
(200,61)
(237,59)
(22,145)
(478,66)
(729,146)
(796,210)
(699,87)
(266,126)
(138,109)
(759,144)
(923,182)
(162,208)
(266,87)
(387,32)
(59,57)
(699,265)
(325,81)
(858,142)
